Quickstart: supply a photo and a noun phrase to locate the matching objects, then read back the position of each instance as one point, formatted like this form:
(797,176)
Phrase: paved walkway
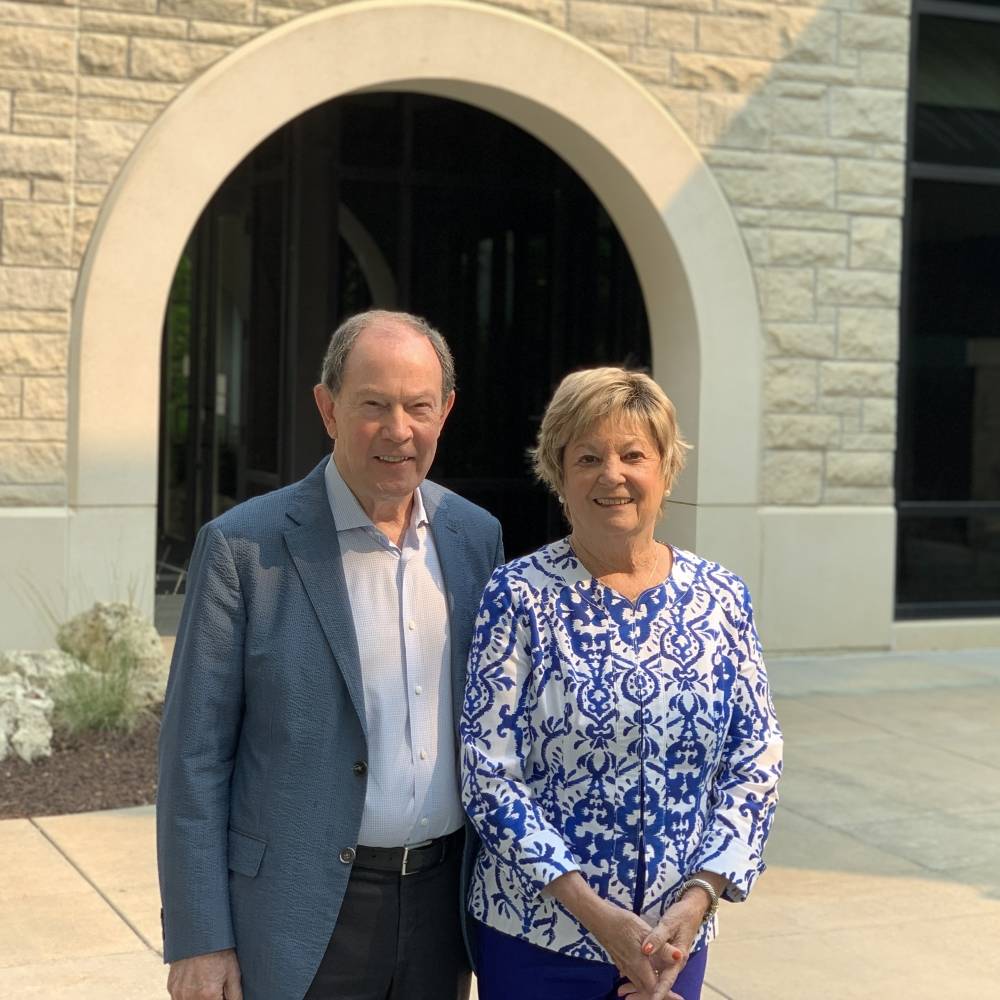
(884,877)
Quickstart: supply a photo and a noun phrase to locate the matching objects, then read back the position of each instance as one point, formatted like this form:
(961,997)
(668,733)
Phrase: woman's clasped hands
(665,950)
(627,939)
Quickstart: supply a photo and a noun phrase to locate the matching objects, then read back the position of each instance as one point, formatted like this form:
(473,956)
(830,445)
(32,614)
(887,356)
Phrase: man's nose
(396,427)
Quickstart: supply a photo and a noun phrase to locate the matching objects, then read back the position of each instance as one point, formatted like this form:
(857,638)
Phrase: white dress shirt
(400,613)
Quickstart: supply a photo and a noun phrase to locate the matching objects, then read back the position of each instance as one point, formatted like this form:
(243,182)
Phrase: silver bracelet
(713,896)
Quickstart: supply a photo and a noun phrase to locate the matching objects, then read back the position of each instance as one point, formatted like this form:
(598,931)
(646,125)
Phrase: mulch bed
(85,772)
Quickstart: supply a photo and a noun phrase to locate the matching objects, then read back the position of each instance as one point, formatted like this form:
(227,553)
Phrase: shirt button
(411,625)
(418,689)
(360,768)
(423,822)
(423,755)
(347,855)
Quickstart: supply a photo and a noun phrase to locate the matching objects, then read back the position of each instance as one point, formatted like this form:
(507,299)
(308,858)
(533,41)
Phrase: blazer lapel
(451,551)
(315,550)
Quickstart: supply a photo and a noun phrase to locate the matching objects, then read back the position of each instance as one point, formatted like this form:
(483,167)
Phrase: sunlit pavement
(884,864)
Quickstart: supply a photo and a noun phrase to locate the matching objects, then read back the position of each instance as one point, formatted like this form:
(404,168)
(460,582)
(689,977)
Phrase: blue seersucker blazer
(264,720)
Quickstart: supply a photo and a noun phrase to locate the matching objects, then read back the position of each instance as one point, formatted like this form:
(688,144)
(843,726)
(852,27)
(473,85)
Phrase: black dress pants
(397,938)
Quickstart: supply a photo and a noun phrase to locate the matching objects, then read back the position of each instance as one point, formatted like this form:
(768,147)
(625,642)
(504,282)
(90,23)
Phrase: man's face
(387,416)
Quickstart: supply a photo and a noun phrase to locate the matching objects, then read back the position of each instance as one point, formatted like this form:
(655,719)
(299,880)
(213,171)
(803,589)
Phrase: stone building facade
(796,112)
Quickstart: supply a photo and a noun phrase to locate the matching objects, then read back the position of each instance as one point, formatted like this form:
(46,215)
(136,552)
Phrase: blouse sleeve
(744,792)
(498,728)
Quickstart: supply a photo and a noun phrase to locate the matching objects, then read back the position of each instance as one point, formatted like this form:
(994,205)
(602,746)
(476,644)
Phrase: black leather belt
(412,859)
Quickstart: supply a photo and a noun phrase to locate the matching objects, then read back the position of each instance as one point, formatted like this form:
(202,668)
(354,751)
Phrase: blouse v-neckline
(604,596)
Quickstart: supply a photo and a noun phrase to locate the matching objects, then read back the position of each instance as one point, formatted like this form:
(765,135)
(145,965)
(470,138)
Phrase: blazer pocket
(245,853)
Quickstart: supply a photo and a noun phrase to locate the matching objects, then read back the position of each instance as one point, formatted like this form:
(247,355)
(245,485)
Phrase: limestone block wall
(801,111)
(799,108)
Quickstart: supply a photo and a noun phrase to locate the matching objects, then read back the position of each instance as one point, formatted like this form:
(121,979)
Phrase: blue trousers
(511,969)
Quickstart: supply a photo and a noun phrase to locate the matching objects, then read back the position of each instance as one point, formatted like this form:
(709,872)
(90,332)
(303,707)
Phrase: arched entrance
(386,199)
(693,270)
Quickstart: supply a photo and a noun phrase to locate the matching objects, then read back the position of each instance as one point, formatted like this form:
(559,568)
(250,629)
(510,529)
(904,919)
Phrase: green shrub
(104,697)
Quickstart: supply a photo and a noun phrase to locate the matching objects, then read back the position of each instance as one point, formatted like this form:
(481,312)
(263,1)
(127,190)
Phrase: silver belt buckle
(406,854)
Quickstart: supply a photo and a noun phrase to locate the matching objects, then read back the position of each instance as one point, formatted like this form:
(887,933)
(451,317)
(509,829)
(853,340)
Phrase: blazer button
(360,768)
(347,855)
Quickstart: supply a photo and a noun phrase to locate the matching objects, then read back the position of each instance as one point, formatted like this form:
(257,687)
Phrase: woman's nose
(611,471)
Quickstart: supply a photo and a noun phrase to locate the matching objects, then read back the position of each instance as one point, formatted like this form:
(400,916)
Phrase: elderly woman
(620,747)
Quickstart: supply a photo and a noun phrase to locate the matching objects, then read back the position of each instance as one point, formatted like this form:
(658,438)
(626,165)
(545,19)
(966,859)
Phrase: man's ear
(325,405)
(448,404)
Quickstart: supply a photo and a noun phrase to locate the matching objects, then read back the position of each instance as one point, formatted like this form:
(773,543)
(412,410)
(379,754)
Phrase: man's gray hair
(347,333)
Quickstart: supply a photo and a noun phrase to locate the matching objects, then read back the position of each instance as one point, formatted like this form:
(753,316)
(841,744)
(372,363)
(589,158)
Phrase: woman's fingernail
(647,948)
(677,955)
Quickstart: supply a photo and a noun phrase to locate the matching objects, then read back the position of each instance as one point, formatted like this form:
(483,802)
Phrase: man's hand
(215,976)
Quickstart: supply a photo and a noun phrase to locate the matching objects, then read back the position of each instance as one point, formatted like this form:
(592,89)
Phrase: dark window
(949,560)
(952,407)
(955,5)
(948,463)
(957,92)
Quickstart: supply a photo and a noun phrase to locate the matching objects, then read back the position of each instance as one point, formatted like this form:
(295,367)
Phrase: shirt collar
(347,512)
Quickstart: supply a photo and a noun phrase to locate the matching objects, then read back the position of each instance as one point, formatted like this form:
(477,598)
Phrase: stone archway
(684,242)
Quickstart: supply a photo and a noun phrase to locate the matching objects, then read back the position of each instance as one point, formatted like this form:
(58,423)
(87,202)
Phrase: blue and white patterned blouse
(593,725)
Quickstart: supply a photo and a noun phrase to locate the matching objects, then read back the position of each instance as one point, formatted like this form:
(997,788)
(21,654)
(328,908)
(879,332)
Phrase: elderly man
(310,831)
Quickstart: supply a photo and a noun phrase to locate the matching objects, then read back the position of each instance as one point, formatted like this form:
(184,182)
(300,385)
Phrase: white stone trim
(827,577)
(946,633)
(57,561)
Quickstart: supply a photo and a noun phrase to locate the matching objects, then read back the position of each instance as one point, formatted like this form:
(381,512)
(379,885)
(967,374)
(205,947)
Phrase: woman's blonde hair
(586,398)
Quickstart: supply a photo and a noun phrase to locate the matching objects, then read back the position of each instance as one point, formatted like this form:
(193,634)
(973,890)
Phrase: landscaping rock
(25,714)
(91,635)
(42,669)
(88,643)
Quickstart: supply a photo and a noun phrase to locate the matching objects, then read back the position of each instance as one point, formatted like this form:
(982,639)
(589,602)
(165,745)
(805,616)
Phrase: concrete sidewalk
(884,877)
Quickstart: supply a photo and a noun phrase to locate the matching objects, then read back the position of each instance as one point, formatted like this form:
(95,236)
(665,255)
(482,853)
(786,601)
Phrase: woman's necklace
(591,558)
(652,569)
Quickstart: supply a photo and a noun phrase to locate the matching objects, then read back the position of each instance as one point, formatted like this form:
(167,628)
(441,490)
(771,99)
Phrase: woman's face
(612,481)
